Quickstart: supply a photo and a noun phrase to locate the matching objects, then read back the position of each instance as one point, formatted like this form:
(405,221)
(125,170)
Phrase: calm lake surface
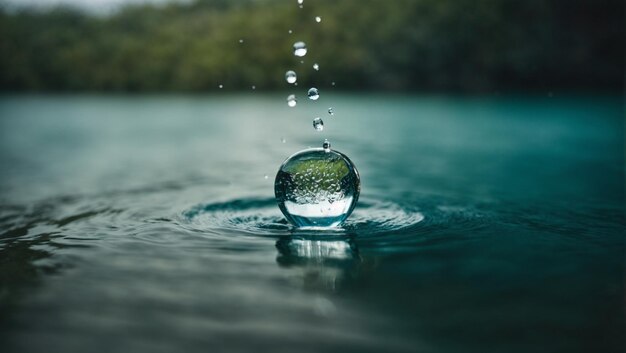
(147,224)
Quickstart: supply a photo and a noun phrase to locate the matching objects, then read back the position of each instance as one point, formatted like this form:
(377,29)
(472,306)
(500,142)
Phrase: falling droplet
(283,140)
(313,94)
(326,145)
(318,19)
(316,67)
(241,41)
(299,49)
(332,83)
(266,176)
(290,31)
(331,111)
(253,87)
(221,86)
(291,100)
(318,124)
(290,76)
(300,2)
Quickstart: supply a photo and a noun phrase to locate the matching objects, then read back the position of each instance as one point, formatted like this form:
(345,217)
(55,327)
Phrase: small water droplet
(241,41)
(283,140)
(266,177)
(332,83)
(291,100)
(300,2)
(326,145)
(295,84)
(313,94)
(290,76)
(253,87)
(331,111)
(318,19)
(290,31)
(299,49)
(316,67)
(318,124)
(221,86)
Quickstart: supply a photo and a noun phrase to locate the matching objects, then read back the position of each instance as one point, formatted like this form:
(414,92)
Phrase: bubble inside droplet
(326,145)
(318,124)
(290,76)
(299,49)
(317,188)
(318,19)
(313,94)
(331,111)
(291,100)
(316,67)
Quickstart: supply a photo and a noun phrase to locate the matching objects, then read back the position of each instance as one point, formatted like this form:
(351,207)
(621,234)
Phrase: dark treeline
(463,45)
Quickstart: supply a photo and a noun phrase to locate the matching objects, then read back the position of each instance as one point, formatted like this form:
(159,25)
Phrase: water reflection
(324,265)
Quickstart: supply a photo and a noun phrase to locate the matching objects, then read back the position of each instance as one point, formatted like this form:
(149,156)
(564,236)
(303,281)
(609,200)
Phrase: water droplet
(318,124)
(290,31)
(317,188)
(313,94)
(331,111)
(266,177)
(316,67)
(332,83)
(253,87)
(318,19)
(300,2)
(290,76)
(326,145)
(291,100)
(241,41)
(221,86)
(283,140)
(299,49)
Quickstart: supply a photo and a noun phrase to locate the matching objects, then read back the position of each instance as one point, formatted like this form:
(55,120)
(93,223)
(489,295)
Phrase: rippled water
(146,224)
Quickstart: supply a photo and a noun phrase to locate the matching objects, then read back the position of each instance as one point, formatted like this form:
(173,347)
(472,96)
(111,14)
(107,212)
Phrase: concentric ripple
(262,217)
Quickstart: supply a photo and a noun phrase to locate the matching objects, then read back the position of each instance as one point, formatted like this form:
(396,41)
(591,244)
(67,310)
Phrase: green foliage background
(459,45)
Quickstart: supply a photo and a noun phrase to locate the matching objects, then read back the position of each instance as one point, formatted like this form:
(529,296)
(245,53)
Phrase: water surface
(146,224)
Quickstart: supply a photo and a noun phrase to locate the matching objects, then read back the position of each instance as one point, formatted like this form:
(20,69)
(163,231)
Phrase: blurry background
(442,45)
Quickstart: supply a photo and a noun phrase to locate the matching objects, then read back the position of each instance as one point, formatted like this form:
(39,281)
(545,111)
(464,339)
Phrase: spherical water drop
(291,100)
(326,145)
(253,87)
(300,2)
(332,83)
(318,124)
(316,67)
(266,176)
(241,41)
(299,49)
(318,19)
(313,94)
(331,111)
(221,86)
(317,188)
(290,76)
(283,140)
(290,31)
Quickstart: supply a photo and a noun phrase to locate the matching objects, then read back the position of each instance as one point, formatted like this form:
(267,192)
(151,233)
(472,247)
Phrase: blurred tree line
(461,45)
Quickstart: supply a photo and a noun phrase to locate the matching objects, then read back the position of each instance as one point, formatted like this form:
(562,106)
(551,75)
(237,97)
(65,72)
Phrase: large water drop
(318,124)
(291,100)
(313,94)
(317,188)
(290,76)
(299,49)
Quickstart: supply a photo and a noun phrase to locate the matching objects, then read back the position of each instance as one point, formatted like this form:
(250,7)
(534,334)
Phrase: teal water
(146,224)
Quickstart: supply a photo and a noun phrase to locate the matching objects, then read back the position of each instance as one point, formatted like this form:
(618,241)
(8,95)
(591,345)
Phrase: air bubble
(313,94)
